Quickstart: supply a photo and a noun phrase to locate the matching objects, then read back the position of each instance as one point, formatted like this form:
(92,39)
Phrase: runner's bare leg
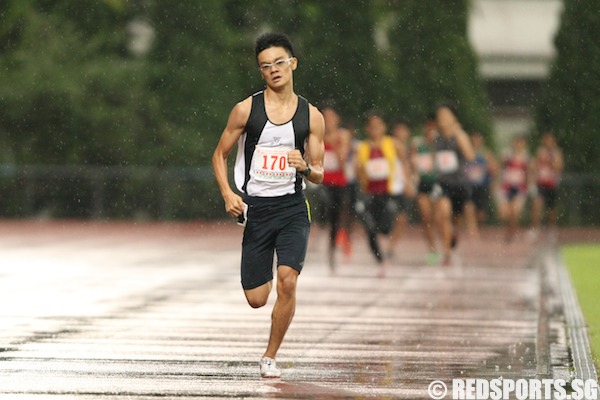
(284,308)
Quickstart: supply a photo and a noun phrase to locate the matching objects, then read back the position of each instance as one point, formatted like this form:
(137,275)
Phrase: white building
(514,40)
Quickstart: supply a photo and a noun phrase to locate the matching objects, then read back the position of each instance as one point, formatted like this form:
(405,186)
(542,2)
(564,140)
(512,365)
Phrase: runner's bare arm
(559,162)
(316,145)
(232,132)
(464,143)
(403,156)
(315,149)
(493,166)
(344,144)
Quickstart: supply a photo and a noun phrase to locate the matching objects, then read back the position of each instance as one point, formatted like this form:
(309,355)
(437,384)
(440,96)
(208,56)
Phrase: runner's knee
(286,281)
(259,296)
(256,301)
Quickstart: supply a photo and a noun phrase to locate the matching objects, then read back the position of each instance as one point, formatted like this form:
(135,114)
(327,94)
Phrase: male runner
(423,161)
(452,149)
(376,168)
(515,181)
(272,129)
(403,189)
(481,172)
(335,185)
(547,168)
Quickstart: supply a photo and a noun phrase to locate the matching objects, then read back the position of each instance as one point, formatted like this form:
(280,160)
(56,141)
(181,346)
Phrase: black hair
(401,121)
(272,39)
(329,103)
(374,113)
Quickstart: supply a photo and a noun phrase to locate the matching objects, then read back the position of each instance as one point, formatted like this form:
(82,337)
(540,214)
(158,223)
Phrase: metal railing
(120,192)
(108,192)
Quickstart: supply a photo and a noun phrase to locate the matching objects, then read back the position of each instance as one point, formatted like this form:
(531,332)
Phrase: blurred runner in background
(452,149)
(335,185)
(376,167)
(480,172)
(422,159)
(348,220)
(402,190)
(514,185)
(547,167)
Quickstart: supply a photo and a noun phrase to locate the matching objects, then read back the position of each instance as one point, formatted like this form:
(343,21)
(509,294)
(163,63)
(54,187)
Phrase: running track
(145,311)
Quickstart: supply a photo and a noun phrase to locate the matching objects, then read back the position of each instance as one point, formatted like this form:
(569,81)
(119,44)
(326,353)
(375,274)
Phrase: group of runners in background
(451,177)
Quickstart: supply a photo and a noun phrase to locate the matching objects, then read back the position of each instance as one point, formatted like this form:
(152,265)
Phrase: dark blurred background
(112,108)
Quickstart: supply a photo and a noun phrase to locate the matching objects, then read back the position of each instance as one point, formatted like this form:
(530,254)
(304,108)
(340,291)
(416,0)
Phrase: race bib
(447,161)
(476,173)
(377,169)
(546,174)
(271,165)
(425,163)
(515,177)
(331,161)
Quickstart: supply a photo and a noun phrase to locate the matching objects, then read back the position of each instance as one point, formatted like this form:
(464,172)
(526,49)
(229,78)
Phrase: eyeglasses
(277,64)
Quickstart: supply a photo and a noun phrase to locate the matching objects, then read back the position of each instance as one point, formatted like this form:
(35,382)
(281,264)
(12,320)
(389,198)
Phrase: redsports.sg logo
(521,389)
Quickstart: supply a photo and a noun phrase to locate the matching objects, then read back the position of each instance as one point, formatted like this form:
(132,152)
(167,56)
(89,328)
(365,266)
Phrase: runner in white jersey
(403,190)
(280,143)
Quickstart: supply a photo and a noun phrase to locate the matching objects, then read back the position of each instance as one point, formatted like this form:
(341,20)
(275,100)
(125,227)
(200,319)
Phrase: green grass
(583,263)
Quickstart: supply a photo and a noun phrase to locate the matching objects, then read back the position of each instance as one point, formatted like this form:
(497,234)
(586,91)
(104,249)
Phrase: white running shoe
(268,368)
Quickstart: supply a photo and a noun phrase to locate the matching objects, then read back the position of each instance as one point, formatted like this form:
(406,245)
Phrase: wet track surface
(145,311)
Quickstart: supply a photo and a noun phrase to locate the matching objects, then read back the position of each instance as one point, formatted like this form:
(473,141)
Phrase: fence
(108,192)
(179,193)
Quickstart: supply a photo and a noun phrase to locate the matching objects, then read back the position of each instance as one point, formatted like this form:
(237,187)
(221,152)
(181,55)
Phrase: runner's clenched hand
(295,160)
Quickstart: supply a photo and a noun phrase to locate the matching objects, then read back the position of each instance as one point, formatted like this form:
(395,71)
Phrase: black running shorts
(480,195)
(549,195)
(459,194)
(425,187)
(275,225)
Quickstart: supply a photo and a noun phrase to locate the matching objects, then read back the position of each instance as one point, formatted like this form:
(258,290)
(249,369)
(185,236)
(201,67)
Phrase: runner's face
(429,130)
(375,128)
(402,132)
(332,119)
(445,119)
(520,145)
(548,141)
(276,76)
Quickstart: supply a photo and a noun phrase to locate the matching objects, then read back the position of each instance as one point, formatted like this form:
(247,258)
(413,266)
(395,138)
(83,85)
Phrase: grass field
(583,263)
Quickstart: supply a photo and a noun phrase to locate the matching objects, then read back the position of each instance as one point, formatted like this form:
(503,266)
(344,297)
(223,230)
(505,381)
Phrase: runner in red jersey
(334,184)
(546,167)
(514,184)
(376,168)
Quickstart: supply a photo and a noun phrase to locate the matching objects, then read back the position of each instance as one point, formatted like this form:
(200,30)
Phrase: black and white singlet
(261,166)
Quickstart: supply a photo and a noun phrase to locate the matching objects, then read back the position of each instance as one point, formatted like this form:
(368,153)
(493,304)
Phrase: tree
(430,60)
(197,73)
(339,58)
(570,103)
(70,96)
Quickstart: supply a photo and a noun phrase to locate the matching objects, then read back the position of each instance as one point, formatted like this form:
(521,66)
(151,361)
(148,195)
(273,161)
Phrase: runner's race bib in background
(425,163)
(331,161)
(447,161)
(515,176)
(377,169)
(476,173)
(271,165)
